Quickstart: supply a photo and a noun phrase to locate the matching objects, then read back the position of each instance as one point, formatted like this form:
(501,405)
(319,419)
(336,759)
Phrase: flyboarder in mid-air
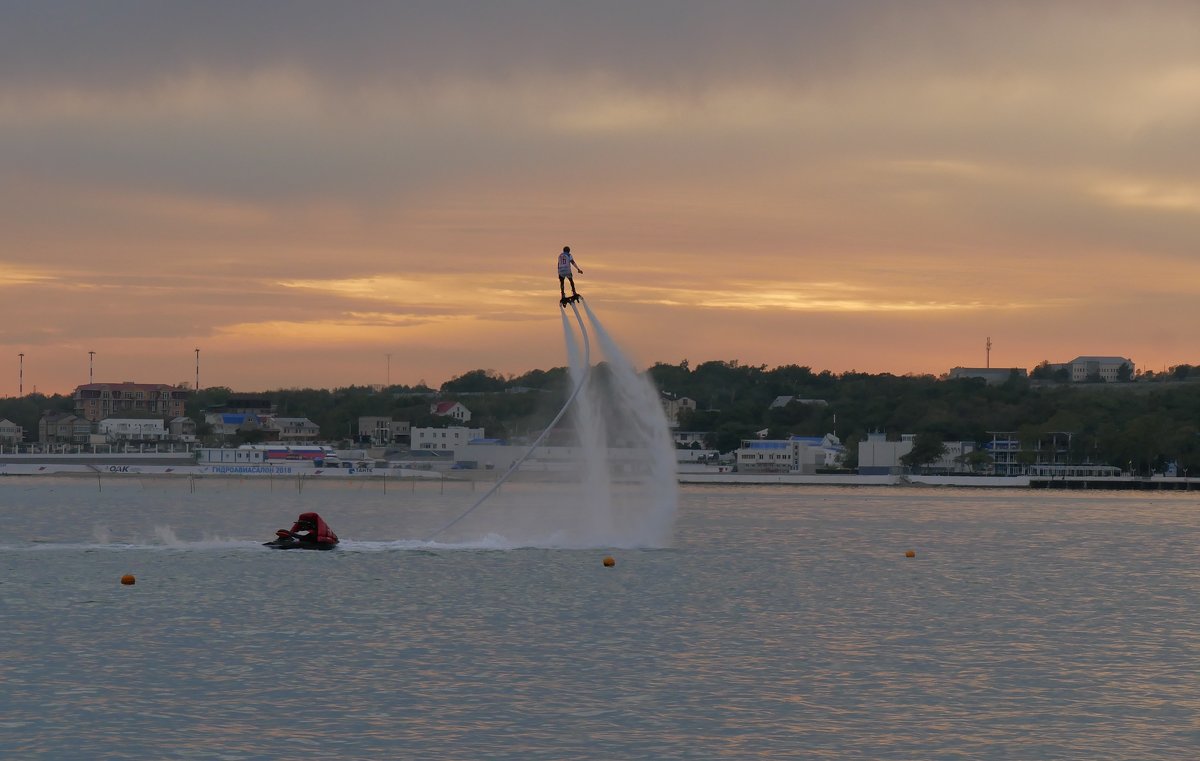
(565,263)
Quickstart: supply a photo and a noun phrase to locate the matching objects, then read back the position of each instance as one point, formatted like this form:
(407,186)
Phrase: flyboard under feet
(574,297)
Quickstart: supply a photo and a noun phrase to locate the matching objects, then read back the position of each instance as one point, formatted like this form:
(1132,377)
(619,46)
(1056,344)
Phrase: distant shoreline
(1119,483)
(117,466)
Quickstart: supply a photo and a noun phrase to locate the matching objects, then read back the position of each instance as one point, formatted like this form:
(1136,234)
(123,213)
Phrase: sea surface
(781,622)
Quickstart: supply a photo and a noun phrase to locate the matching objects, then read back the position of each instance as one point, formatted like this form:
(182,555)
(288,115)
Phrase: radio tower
(989,353)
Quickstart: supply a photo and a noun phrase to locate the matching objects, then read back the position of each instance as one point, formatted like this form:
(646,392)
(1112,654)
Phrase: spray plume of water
(621,487)
(639,485)
(532,447)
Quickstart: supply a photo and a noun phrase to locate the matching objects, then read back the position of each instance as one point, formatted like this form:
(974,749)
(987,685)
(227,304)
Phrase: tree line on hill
(1142,425)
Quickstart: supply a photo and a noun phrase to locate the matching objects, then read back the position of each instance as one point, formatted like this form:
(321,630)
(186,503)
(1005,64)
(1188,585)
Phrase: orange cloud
(16,275)
(1150,195)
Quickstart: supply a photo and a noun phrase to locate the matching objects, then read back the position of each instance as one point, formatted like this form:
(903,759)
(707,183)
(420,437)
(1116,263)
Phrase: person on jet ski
(315,529)
(305,528)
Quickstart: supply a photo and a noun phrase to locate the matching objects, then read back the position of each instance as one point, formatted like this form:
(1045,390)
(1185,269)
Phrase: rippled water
(782,623)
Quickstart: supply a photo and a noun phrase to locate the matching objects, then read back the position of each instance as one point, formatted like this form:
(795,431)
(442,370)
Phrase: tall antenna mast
(989,352)
(197,369)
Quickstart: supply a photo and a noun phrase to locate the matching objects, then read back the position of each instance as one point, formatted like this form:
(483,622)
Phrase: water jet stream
(587,356)
(617,485)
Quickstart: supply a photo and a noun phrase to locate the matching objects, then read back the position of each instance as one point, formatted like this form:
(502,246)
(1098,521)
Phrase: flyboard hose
(587,364)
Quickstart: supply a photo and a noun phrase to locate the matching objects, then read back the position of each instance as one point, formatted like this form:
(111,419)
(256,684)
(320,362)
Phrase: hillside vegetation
(1146,423)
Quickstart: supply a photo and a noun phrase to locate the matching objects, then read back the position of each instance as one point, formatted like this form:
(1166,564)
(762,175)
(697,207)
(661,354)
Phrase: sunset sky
(300,189)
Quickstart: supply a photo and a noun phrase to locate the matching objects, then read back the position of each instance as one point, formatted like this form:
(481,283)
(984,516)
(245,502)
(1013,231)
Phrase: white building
(114,429)
(453,438)
(63,428)
(688,438)
(382,430)
(10,432)
(992,376)
(755,456)
(953,456)
(693,456)
(293,428)
(1107,369)
(878,456)
(454,410)
(182,428)
(810,453)
(804,455)
(673,406)
(314,455)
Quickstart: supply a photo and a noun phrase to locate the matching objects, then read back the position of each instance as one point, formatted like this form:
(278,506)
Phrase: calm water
(782,623)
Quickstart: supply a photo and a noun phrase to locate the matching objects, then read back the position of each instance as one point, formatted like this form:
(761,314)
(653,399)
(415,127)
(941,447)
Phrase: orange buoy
(609,562)
(128,579)
(910,554)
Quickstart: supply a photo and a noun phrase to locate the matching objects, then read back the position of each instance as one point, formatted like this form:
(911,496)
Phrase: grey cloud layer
(675,44)
(116,43)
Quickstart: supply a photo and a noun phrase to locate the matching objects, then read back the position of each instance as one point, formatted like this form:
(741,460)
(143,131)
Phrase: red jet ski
(309,532)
